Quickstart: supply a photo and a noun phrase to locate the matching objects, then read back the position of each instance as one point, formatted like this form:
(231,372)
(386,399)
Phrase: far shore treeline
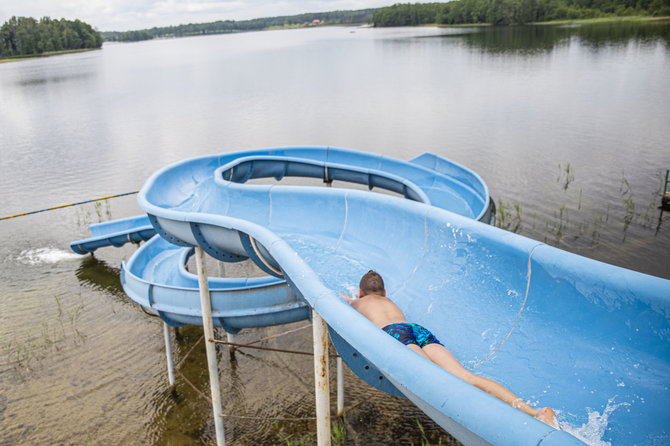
(25,36)
(231,26)
(494,12)
(513,12)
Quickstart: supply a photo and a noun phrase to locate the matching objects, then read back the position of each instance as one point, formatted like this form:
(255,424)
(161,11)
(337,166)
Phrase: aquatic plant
(305,441)
(566,175)
(424,437)
(338,433)
(21,354)
(504,217)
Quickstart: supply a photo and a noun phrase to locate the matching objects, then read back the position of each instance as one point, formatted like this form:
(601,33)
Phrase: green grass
(597,20)
(338,433)
(47,54)
(276,27)
(461,25)
(608,19)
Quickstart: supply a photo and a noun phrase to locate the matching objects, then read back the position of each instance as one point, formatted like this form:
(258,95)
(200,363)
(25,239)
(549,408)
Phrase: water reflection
(98,273)
(540,39)
(55,79)
(577,228)
(622,33)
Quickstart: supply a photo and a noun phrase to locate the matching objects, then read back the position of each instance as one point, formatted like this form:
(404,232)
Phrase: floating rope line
(69,205)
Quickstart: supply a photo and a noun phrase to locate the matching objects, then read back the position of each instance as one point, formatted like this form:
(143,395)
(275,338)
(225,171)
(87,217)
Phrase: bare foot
(546,415)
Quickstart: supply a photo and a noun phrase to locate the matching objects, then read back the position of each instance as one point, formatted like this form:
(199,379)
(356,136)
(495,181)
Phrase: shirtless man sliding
(381,311)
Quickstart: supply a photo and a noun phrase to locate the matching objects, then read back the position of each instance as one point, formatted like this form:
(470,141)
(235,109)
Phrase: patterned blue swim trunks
(409,333)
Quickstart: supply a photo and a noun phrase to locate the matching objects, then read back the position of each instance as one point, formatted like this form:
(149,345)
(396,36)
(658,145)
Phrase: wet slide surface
(590,340)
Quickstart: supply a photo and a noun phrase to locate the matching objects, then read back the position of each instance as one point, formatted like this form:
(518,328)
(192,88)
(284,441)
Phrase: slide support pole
(231,338)
(210,346)
(340,387)
(168,353)
(322,391)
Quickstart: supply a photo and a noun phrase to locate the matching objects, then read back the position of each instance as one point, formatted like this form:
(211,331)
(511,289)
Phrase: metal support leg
(168,353)
(208,328)
(231,338)
(322,392)
(340,387)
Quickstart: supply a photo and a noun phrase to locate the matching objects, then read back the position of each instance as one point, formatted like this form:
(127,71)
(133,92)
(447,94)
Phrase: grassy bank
(617,19)
(598,20)
(47,54)
(460,25)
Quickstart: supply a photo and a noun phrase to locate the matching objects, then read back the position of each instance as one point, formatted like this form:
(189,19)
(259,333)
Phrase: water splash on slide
(593,430)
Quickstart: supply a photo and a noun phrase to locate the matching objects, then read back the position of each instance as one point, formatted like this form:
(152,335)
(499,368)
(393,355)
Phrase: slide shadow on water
(97,273)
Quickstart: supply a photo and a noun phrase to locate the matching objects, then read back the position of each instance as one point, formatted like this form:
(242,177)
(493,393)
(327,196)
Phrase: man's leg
(443,357)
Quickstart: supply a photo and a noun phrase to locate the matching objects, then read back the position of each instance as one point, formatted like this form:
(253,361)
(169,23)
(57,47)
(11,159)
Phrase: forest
(513,12)
(25,36)
(230,26)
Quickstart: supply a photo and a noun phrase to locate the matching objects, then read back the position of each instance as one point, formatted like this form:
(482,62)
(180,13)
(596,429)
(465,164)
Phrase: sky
(124,15)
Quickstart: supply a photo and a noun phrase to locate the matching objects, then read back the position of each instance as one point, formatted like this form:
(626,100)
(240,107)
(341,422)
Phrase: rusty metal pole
(340,387)
(168,353)
(322,391)
(210,346)
(231,338)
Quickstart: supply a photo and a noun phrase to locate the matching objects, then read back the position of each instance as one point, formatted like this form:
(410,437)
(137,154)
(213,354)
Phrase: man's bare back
(381,311)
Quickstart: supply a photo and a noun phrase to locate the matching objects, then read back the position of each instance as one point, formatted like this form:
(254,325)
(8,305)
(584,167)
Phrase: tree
(512,12)
(25,36)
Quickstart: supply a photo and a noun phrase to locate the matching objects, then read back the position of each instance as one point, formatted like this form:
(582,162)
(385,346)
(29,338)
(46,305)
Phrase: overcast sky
(123,15)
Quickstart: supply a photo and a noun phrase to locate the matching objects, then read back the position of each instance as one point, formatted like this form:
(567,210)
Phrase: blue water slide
(155,276)
(563,331)
(586,338)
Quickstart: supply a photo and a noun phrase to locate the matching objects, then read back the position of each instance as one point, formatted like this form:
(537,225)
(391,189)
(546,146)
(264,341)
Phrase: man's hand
(349,300)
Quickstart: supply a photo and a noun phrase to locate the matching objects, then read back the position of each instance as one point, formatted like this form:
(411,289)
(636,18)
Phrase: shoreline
(593,21)
(597,20)
(47,54)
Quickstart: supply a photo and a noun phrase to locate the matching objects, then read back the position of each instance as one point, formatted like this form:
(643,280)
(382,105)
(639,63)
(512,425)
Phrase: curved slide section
(156,278)
(590,340)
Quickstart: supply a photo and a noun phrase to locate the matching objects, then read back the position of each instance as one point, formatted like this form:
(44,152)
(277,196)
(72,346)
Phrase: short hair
(372,283)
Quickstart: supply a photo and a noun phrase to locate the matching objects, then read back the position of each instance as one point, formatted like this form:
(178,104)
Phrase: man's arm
(349,300)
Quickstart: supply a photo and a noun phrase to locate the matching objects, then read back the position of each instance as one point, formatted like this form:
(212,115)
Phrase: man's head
(371,283)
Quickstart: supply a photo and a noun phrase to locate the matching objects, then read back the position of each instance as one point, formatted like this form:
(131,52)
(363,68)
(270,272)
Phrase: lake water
(567,125)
